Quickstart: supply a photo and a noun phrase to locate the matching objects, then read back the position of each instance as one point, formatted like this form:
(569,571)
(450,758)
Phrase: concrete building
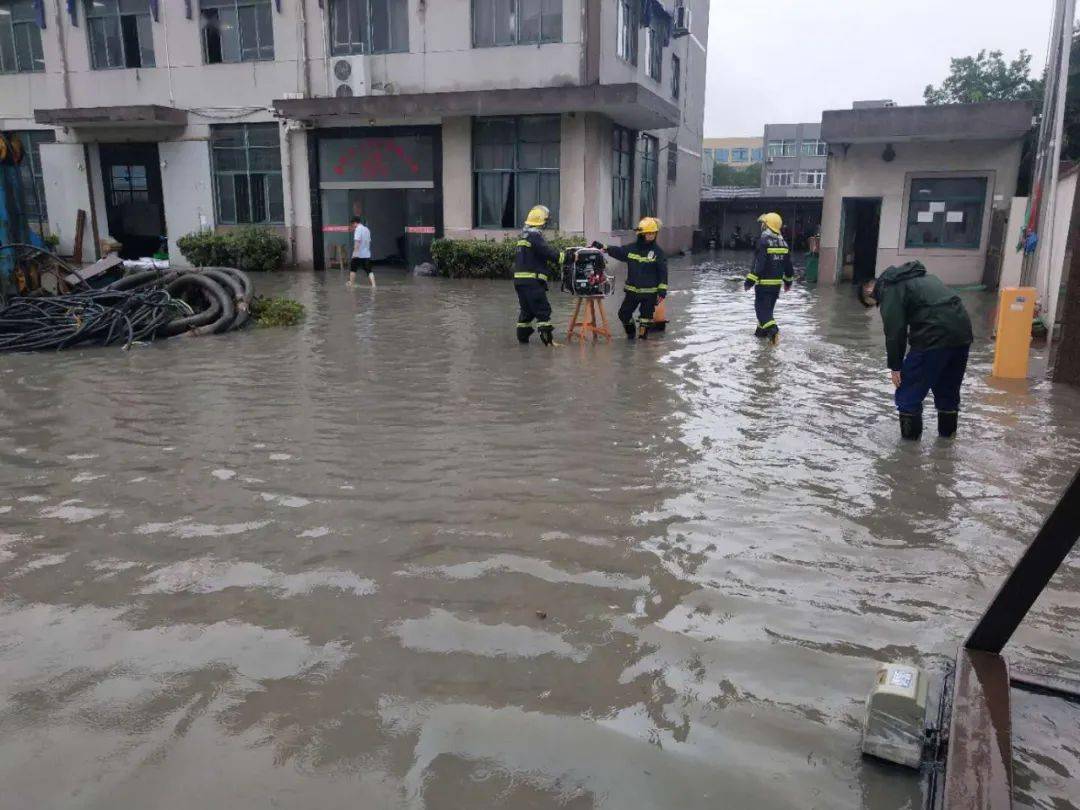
(795,161)
(739,153)
(918,183)
(428,117)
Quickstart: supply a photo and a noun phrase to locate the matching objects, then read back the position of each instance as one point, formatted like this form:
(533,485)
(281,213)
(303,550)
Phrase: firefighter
(531,277)
(646,277)
(920,312)
(772,268)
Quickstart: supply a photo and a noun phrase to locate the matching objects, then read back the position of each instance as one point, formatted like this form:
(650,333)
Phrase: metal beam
(1027,580)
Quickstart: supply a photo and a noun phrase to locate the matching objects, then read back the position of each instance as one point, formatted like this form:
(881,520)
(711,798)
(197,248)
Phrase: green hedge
(249,249)
(480,258)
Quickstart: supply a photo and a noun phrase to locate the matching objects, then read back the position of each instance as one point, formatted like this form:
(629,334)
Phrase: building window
(740,155)
(815,149)
(622,179)
(120,34)
(650,173)
(779,179)
(722,155)
(369,26)
(676,75)
(20,38)
(236,30)
(516,22)
(946,212)
(672,162)
(779,149)
(515,166)
(626,26)
(33,180)
(247,173)
(756,155)
(812,179)
(654,51)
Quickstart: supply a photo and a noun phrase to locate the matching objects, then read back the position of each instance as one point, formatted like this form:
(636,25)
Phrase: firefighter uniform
(646,278)
(531,279)
(772,269)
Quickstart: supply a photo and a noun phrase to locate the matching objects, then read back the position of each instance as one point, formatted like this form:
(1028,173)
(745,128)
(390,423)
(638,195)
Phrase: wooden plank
(80,230)
(978,769)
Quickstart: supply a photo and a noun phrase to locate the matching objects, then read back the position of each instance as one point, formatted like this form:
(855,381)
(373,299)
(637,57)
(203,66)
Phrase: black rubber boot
(946,424)
(631,332)
(524,333)
(910,425)
(547,335)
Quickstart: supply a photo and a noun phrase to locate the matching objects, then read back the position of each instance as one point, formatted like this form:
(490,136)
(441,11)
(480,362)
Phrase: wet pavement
(391,559)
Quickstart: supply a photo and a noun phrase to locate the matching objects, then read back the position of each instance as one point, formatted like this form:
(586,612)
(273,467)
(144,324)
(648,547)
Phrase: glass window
(369,26)
(650,173)
(722,155)
(815,149)
(516,22)
(33,180)
(120,34)
(946,212)
(783,148)
(236,30)
(20,38)
(812,179)
(740,155)
(654,51)
(622,179)
(756,155)
(247,173)
(515,166)
(626,30)
(672,162)
(676,76)
(779,179)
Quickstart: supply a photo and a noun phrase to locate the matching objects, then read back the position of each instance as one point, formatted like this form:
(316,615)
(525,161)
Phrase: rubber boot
(946,424)
(910,425)
(547,335)
(774,338)
(760,333)
(643,331)
(524,333)
(631,332)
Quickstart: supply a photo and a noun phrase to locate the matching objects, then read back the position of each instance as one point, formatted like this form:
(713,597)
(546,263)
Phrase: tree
(986,77)
(746,177)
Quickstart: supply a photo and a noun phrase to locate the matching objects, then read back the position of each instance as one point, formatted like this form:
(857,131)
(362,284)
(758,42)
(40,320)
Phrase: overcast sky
(784,61)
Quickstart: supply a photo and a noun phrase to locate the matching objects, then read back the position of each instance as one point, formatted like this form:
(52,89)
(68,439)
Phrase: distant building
(920,183)
(738,153)
(795,161)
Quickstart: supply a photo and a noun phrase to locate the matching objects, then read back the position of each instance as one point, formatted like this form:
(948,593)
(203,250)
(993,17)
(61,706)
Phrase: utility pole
(1067,363)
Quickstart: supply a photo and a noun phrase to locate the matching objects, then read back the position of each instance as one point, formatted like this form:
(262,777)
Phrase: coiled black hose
(233,285)
(215,311)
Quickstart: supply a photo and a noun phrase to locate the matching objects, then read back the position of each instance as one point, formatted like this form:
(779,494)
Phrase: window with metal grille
(654,50)
(236,30)
(247,173)
(812,179)
(676,76)
(622,178)
(946,212)
(779,179)
(815,148)
(516,22)
(672,162)
(650,173)
(369,26)
(626,30)
(515,166)
(782,148)
(120,34)
(20,38)
(33,180)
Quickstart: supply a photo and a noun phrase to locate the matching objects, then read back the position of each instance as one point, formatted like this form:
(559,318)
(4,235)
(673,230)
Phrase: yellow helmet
(649,225)
(538,216)
(771,221)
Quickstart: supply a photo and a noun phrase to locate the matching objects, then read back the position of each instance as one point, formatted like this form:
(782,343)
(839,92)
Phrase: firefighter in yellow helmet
(646,277)
(531,270)
(772,269)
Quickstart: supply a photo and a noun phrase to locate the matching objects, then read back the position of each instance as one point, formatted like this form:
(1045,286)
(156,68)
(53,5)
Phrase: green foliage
(278,311)
(51,241)
(744,177)
(482,258)
(986,77)
(250,249)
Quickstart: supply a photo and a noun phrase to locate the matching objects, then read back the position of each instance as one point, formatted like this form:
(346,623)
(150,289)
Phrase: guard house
(925,183)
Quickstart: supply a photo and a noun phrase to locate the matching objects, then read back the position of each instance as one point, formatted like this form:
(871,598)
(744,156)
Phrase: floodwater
(391,559)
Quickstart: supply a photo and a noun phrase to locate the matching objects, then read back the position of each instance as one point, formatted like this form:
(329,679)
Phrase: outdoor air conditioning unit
(348,76)
(682,21)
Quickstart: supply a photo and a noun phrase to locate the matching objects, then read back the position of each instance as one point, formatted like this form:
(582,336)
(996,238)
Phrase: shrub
(485,258)
(276,311)
(249,249)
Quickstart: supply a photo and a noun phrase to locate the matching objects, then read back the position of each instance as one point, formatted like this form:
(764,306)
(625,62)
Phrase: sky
(785,61)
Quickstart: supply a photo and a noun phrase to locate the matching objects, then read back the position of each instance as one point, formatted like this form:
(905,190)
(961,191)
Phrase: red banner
(336,229)
(424,229)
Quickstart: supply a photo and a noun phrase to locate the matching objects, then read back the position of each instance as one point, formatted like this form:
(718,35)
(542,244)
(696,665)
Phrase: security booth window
(20,38)
(369,26)
(516,22)
(515,166)
(247,173)
(33,179)
(120,34)
(650,174)
(236,31)
(622,178)
(946,212)
(626,29)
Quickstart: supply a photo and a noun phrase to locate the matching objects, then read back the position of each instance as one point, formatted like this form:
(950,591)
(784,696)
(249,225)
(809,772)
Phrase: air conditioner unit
(348,76)
(682,21)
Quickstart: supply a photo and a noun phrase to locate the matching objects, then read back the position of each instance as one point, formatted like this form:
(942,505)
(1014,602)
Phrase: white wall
(66,192)
(188,191)
(1052,262)
(1013,259)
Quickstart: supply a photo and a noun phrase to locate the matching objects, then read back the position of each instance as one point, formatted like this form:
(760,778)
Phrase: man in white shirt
(361,253)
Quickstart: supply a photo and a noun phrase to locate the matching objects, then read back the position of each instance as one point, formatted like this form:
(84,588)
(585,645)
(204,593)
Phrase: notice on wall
(954,216)
(937,207)
(926,216)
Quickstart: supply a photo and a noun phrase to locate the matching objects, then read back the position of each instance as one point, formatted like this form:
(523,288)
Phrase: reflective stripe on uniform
(630,288)
(524,243)
(539,276)
(636,257)
(752,277)
(523,325)
(770,282)
(767,325)
(543,324)
(779,251)
(661,287)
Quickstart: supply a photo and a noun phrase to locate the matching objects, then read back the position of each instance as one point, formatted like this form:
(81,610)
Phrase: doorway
(134,207)
(861,218)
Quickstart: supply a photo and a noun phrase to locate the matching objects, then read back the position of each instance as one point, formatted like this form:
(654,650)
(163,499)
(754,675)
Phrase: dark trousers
(533,305)
(764,303)
(634,300)
(938,370)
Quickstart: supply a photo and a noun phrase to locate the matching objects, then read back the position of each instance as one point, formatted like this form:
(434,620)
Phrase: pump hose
(214,318)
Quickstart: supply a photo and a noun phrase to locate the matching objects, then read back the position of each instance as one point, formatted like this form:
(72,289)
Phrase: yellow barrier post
(1016,310)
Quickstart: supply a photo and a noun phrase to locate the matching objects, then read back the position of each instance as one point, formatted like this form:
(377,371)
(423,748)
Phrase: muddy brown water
(391,559)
